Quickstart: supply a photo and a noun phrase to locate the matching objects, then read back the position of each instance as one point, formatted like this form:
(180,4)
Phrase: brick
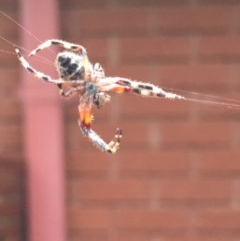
(144,220)
(76,4)
(89,235)
(153,109)
(198,237)
(87,163)
(218,220)
(90,219)
(112,190)
(12,205)
(151,220)
(97,48)
(167,164)
(212,132)
(8,28)
(219,163)
(12,141)
(10,209)
(204,18)
(12,237)
(112,20)
(9,77)
(219,113)
(9,109)
(150,49)
(141,72)
(134,236)
(191,190)
(10,6)
(9,225)
(219,47)
(7,60)
(202,78)
(152,3)
(9,180)
(217,2)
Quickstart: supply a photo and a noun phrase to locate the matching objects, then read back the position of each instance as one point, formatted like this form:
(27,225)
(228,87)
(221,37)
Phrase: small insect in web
(77,75)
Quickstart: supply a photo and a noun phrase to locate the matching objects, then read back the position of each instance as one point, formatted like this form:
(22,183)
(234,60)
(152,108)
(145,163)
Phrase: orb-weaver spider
(77,75)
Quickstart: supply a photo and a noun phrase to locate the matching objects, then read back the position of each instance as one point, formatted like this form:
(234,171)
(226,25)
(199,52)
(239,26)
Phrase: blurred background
(177,174)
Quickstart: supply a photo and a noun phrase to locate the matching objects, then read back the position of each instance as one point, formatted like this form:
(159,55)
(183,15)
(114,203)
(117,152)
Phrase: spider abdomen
(71,66)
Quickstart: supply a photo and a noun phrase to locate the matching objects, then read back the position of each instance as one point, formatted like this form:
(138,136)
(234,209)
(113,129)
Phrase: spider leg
(139,88)
(68,93)
(116,88)
(111,84)
(64,44)
(110,147)
(85,126)
(36,73)
(98,70)
(75,85)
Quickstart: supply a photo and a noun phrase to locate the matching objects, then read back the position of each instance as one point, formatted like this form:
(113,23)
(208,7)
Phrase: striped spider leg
(121,85)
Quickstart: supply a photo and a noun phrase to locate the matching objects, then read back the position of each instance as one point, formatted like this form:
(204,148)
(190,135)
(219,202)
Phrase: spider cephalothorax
(77,75)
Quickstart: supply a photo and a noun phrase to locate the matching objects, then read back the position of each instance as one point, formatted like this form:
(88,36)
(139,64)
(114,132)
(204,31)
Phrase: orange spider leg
(116,88)
(85,125)
(86,116)
(121,89)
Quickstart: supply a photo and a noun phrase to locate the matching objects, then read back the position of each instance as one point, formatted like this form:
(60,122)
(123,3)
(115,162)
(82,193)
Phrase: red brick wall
(11,153)
(177,174)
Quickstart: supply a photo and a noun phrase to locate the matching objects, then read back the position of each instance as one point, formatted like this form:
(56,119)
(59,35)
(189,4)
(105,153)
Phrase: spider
(77,75)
